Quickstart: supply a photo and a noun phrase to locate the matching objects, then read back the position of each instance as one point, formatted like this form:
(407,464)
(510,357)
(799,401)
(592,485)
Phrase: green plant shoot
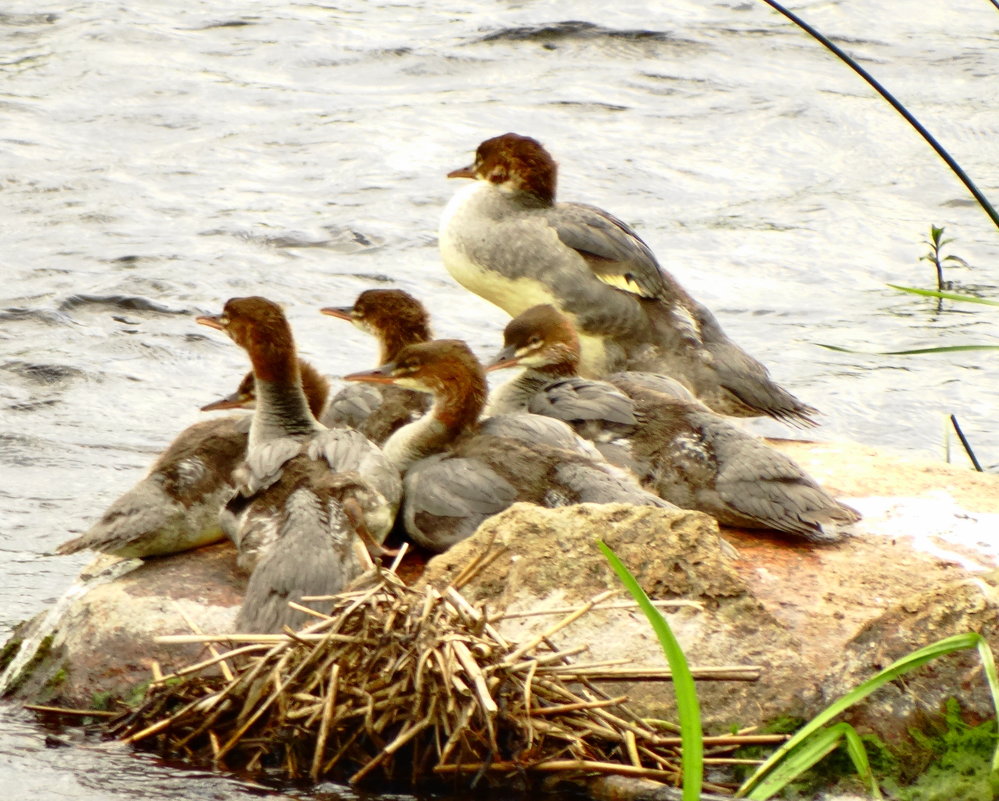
(790,749)
(688,707)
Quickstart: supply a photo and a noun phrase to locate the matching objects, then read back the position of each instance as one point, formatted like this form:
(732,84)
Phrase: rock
(817,619)
(549,561)
(968,604)
(101,646)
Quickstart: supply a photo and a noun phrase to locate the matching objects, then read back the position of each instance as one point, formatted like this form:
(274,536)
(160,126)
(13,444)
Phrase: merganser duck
(176,505)
(676,446)
(308,496)
(506,238)
(396,319)
(457,471)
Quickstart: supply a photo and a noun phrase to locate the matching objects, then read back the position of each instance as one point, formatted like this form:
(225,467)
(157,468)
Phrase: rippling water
(157,158)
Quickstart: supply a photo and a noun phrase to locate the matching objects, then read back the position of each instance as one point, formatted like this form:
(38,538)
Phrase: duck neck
(515,394)
(281,411)
(457,407)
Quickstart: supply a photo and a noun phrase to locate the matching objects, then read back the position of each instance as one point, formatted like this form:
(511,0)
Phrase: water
(157,158)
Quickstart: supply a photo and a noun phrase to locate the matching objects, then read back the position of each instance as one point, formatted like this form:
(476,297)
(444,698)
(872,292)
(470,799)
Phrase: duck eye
(534,341)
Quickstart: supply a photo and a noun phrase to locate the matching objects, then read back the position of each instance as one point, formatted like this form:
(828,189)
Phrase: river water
(157,158)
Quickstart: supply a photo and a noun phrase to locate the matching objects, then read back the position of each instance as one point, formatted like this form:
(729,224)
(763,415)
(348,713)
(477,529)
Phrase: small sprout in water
(936,243)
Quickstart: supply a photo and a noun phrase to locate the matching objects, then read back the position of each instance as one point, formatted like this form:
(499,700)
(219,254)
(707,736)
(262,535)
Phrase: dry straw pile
(407,686)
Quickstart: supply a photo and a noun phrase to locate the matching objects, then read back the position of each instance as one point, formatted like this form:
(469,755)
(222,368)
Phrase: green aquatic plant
(910,352)
(930,293)
(795,758)
(959,762)
(934,256)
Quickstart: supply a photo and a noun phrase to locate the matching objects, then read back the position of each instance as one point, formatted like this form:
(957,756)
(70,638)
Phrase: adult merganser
(175,507)
(676,446)
(308,496)
(506,239)
(458,472)
(396,319)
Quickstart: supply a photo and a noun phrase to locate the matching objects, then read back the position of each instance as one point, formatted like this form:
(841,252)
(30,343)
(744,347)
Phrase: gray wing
(614,252)
(579,401)
(593,483)
(750,382)
(654,382)
(537,429)
(352,405)
(448,497)
(767,486)
(313,554)
(346,450)
(264,463)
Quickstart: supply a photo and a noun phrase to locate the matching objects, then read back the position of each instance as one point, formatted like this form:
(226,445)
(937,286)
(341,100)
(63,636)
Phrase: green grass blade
(899,668)
(818,746)
(858,755)
(989,665)
(688,707)
(933,293)
(815,748)
(945,349)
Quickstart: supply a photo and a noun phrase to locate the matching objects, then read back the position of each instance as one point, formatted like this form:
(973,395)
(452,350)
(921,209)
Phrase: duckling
(176,506)
(507,239)
(396,319)
(458,472)
(676,446)
(309,497)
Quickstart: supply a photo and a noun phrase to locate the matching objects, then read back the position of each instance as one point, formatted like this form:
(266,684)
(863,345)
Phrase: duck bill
(340,312)
(463,172)
(504,359)
(235,401)
(212,321)
(380,375)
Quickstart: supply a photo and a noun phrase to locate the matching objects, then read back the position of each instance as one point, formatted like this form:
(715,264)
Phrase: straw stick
(324,726)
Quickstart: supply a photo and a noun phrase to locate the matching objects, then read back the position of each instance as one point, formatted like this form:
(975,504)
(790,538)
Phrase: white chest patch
(513,295)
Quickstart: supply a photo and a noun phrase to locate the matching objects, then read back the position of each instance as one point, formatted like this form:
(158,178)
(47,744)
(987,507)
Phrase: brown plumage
(395,319)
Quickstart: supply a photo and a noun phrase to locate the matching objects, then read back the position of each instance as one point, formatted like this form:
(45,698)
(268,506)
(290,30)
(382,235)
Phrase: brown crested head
(259,326)
(447,368)
(515,163)
(392,316)
(542,338)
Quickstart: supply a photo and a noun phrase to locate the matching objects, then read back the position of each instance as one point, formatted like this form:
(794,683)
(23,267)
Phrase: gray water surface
(157,158)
